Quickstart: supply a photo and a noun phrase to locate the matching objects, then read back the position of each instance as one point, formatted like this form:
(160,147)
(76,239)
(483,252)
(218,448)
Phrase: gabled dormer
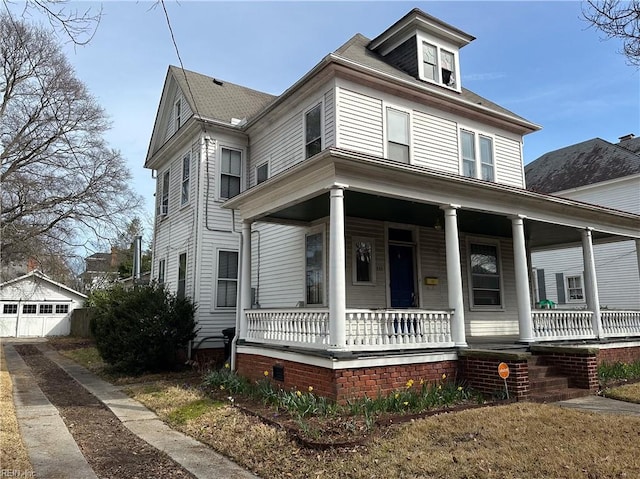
(424,47)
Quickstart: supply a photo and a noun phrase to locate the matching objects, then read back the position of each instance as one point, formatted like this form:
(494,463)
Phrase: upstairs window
(262,173)
(177,112)
(186,173)
(397,135)
(231,173)
(164,202)
(313,131)
(161,271)
(439,65)
(477,155)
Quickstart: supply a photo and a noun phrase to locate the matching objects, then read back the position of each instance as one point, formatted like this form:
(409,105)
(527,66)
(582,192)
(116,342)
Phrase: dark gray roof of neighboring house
(219,100)
(592,161)
(631,144)
(356,50)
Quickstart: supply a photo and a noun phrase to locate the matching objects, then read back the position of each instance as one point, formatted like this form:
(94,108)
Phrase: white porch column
(591,282)
(525,323)
(454,275)
(337,273)
(245,278)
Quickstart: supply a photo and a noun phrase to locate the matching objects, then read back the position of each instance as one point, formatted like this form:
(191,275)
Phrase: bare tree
(617,19)
(61,185)
(79,26)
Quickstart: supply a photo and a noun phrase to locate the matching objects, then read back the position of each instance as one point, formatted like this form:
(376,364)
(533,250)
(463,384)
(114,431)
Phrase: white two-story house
(372,220)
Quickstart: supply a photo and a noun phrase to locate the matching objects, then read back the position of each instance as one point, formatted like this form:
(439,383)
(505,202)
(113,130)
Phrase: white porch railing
(366,329)
(372,329)
(620,323)
(553,324)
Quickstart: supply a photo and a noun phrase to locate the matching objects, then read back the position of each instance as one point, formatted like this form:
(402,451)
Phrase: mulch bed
(109,447)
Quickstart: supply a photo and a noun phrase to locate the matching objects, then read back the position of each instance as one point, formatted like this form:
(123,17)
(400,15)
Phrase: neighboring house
(594,171)
(101,269)
(35,305)
(366,225)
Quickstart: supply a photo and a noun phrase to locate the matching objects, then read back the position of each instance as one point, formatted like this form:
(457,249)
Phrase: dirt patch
(109,447)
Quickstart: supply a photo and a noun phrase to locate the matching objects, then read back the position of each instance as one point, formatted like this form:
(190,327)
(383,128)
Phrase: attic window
(178,114)
(438,65)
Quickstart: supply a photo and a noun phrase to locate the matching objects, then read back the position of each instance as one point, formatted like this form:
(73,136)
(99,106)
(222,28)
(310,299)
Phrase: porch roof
(386,190)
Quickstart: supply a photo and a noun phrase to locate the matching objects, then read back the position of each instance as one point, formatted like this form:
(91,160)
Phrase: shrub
(141,329)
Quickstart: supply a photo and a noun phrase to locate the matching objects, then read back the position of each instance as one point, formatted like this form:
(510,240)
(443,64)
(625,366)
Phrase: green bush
(141,329)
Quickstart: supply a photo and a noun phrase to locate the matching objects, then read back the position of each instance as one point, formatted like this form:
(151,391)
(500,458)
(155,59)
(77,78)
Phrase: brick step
(554,395)
(536,372)
(545,384)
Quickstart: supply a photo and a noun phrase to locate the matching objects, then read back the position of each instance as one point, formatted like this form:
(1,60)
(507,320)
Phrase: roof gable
(206,98)
(36,276)
(589,162)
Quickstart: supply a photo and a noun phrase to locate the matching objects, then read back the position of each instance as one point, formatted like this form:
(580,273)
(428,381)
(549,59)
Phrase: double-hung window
(182,275)
(186,173)
(161,271)
(313,131)
(262,173)
(314,268)
(164,203)
(574,288)
(485,275)
(177,112)
(227,279)
(231,175)
(397,135)
(477,155)
(439,65)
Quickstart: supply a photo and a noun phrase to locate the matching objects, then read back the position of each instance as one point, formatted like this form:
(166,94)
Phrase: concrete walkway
(602,405)
(54,453)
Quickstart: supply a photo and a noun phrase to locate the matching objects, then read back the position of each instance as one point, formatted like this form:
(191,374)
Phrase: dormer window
(439,65)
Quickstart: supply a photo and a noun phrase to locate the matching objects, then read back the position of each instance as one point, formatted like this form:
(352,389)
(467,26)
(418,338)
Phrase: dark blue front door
(401,276)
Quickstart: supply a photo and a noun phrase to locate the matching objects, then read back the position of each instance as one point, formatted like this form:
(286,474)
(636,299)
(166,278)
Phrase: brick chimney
(32,265)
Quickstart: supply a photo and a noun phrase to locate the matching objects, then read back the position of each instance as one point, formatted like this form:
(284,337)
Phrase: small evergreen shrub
(141,329)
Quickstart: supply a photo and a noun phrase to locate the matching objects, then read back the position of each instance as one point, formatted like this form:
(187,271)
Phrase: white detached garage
(35,305)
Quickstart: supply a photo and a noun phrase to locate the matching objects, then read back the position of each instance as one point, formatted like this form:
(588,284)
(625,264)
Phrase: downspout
(234,341)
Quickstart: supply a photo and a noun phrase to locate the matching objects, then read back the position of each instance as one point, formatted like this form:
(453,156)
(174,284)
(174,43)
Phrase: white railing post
(525,323)
(245,279)
(454,275)
(337,274)
(593,299)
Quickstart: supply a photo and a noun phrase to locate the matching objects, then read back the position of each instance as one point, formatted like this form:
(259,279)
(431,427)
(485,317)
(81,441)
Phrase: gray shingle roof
(219,100)
(591,161)
(356,50)
(632,144)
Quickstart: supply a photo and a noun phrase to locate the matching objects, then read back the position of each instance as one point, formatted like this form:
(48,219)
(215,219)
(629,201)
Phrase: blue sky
(538,59)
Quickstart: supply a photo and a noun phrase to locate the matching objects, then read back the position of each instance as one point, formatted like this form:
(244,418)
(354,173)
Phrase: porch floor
(497,343)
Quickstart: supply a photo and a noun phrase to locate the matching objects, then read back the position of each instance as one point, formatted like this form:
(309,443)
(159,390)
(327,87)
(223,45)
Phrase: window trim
(218,279)
(186,159)
(407,112)
(220,173)
(162,268)
(567,297)
(305,143)
(372,274)
(177,114)
(261,165)
(477,152)
(484,241)
(163,209)
(184,281)
(451,49)
(318,229)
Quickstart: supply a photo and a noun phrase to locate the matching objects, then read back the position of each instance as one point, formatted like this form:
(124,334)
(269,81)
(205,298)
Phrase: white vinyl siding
(371,295)
(360,123)
(621,194)
(435,142)
(282,145)
(508,161)
(171,120)
(329,118)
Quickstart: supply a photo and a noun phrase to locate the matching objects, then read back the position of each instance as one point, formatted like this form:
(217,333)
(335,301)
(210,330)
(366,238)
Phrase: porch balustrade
(366,329)
(554,324)
(620,323)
